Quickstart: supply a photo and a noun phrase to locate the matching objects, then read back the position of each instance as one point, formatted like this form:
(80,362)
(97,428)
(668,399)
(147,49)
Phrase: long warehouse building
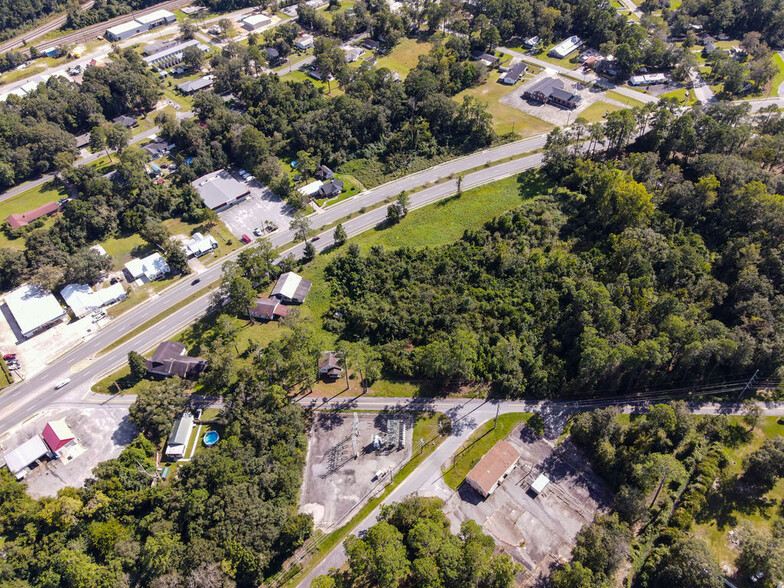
(140,24)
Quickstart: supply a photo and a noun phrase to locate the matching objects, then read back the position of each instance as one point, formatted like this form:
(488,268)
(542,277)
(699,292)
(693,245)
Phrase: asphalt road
(466,415)
(83,364)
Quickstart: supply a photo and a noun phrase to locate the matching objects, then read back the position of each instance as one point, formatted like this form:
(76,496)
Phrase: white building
(125,30)
(255,22)
(311,189)
(648,79)
(83,300)
(353,54)
(566,46)
(172,55)
(18,460)
(156,19)
(33,308)
(304,42)
(199,245)
(153,267)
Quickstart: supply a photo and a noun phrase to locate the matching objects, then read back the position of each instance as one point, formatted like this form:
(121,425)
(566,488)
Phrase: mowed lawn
(759,515)
(505,118)
(596,111)
(480,442)
(778,79)
(28,200)
(405,56)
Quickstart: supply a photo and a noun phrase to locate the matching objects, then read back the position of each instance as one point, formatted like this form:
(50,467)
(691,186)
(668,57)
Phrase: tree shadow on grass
(532,183)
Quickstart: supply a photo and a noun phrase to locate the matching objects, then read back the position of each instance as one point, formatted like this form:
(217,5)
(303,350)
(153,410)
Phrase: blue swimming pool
(211,438)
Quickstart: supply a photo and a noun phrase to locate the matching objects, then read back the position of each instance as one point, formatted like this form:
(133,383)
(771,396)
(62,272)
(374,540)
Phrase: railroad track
(85,34)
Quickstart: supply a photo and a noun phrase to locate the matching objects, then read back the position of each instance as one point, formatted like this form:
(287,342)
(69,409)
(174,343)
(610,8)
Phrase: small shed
(58,434)
(540,484)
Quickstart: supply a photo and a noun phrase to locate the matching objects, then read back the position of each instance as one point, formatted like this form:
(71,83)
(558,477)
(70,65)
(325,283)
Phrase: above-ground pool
(211,438)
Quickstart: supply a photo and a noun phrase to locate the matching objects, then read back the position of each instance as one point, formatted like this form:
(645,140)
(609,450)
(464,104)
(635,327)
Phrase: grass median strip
(159,317)
(479,443)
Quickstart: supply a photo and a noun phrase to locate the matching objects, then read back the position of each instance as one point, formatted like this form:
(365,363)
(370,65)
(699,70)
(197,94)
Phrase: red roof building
(57,435)
(19,220)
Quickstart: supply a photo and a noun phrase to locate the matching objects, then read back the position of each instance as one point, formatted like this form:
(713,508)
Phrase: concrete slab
(335,483)
(102,432)
(535,530)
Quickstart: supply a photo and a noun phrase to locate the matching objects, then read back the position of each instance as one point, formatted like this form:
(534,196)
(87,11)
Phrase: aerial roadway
(86,363)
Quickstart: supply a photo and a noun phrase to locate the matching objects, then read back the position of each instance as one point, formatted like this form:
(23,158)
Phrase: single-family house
(20,219)
(151,268)
(709,48)
(304,42)
(532,42)
(180,435)
(330,189)
(493,468)
(273,55)
(353,54)
(157,149)
(268,309)
(125,120)
(486,58)
(324,173)
(199,245)
(566,46)
(170,360)
(291,288)
(512,75)
(371,44)
(82,300)
(329,366)
(33,308)
(221,189)
(194,86)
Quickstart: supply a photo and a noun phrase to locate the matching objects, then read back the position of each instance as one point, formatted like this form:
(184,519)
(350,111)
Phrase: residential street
(83,365)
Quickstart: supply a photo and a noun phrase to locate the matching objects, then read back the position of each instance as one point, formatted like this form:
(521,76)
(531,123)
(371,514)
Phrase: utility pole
(747,386)
(497,410)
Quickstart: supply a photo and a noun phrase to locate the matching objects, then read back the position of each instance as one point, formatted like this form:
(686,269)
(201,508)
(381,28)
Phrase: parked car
(62,383)
(245,239)
(8,356)
(257,232)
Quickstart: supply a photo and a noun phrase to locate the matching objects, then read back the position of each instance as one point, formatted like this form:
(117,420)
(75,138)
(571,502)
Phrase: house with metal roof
(291,288)
(180,435)
(199,245)
(268,309)
(492,469)
(566,46)
(82,300)
(195,85)
(33,308)
(151,268)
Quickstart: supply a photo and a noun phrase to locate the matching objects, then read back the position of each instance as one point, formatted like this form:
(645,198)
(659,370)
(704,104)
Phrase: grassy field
(680,94)
(778,79)
(438,224)
(405,55)
(596,111)
(479,443)
(506,119)
(28,200)
(623,98)
(759,515)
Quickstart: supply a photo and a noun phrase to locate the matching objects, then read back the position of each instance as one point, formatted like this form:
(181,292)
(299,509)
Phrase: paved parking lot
(102,431)
(550,112)
(262,205)
(537,531)
(35,352)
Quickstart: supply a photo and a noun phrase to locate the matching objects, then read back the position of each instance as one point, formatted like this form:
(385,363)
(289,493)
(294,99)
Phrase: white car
(62,383)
